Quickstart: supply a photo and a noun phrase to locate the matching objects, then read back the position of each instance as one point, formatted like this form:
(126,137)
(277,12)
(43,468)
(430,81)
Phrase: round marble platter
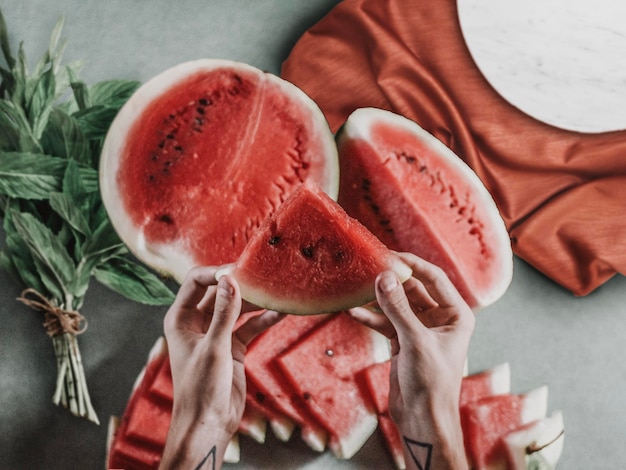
(562,62)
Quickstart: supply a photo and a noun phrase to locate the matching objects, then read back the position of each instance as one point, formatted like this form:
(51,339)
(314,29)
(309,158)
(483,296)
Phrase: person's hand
(207,362)
(429,325)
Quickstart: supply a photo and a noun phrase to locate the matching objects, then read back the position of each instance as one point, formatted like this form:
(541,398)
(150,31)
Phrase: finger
(392,299)
(194,287)
(435,280)
(256,325)
(375,321)
(418,295)
(226,311)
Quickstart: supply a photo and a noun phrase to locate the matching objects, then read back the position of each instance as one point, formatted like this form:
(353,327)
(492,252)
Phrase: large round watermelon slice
(416,195)
(202,153)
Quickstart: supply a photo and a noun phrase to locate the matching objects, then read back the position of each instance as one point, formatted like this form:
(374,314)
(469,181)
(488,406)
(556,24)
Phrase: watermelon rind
(359,126)
(175,258)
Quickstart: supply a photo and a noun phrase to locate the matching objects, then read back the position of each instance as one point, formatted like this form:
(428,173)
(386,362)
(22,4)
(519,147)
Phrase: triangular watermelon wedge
(310,257)
(271,386)
(487,421)
(325,369)
(494,381)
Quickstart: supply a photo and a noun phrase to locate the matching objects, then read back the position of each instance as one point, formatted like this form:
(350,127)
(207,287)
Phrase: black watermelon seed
(307,252)
(274,240)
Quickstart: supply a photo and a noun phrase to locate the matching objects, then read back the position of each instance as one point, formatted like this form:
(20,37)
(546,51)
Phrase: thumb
(394,303)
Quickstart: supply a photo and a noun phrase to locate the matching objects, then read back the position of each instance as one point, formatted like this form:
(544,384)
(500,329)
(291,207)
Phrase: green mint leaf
(63,137)
(15,129)
(133,281)
(17,253)
(29,175)
(64,205)
(113,93)
(95,121)
(4,42)
(103,241)
(53,262)
(81,94)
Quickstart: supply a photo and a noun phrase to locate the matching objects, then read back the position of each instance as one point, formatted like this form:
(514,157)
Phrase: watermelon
(487,421)
(326,371)
(269,383)
(494,381)
(539,443)
(416,195)
(202,153)
(310,257)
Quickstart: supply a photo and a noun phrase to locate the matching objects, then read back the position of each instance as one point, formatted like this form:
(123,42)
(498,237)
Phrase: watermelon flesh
(268,379)
(310,257)
(416,195)
(487,421)
(202,153)
(326,370)
(494,381)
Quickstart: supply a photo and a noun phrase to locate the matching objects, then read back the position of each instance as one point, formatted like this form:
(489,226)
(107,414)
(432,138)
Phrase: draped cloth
(562,194)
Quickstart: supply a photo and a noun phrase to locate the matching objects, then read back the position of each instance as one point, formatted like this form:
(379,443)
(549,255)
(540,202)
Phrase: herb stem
(71,388)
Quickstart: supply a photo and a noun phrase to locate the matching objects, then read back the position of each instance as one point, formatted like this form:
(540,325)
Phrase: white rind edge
(358,126)
(168,259)
(501,379)
(233,451)
(548,432)
(535,405)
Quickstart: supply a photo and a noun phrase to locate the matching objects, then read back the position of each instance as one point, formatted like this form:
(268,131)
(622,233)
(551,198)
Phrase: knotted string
(56,320)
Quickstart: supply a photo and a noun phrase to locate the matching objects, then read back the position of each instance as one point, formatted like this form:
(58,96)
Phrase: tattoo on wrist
(208,459)
(421,452)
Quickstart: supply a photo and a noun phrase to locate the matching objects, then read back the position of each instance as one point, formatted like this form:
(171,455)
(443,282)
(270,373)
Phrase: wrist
(431,426)
(190,442)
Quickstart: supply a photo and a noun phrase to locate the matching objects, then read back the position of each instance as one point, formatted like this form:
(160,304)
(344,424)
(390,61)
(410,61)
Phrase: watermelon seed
(306,395)
(274,240)
(199,121)
(204,102)
(169,136)
(260,397)
(161,144)
(422,168)
(330,352)
(366,184)
(307,251)
(166,218)
(200,110)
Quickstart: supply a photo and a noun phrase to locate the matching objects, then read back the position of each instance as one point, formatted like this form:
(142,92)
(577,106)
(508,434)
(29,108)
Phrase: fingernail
(225,286)
(388,282)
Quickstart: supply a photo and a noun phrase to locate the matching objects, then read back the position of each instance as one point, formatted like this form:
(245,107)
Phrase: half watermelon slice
(202,153)
(310,257)
(416,195)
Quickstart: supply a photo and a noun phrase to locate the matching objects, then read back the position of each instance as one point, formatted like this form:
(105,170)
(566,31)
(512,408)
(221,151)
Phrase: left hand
(207,360)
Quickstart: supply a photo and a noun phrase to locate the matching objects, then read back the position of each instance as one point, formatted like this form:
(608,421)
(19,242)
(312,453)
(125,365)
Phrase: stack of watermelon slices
(336,393)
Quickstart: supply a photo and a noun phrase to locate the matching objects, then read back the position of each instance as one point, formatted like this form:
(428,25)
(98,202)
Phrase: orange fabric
(562,194)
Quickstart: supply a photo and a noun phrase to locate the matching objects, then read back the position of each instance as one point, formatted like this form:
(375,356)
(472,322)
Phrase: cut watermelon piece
(539,443)
(377,380)
(325,369)
(393,440)
(487,421)
(416,195)
(266,377)
(281,425)
(149,421)
(310,257)
(494,381)
(202,153)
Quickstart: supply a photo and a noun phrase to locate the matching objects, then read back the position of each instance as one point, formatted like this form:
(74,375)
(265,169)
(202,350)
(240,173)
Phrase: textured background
(574,345)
